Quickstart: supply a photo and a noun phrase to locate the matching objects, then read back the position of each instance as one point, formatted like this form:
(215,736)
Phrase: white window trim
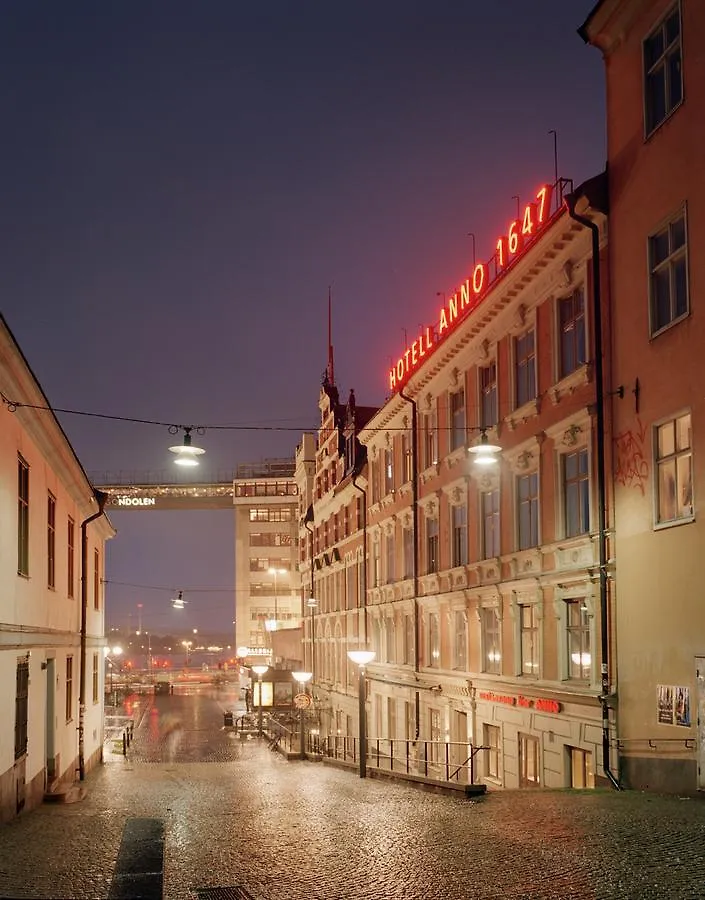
(665,222)
(686,520)
(527,598)
(586,592)
(648,134)
(569,436)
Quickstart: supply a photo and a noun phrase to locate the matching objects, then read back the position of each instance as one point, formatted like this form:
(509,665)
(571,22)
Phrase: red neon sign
(520,235)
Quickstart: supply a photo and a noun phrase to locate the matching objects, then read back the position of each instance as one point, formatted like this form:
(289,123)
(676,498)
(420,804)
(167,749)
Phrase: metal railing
(118,733)
(446,761)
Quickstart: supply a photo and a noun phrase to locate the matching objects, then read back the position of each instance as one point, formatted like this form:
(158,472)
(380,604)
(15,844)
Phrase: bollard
(124,743)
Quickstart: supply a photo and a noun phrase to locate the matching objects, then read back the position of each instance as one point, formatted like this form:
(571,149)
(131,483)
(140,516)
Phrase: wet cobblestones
(308,830)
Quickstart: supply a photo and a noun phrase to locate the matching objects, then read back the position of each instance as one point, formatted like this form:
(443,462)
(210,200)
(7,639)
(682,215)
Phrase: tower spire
(330,369)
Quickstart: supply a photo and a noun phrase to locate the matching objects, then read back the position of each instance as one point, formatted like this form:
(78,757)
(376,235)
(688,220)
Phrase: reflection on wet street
(186,726)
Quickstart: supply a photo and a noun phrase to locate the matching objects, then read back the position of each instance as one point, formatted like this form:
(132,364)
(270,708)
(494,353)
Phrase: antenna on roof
(330,370)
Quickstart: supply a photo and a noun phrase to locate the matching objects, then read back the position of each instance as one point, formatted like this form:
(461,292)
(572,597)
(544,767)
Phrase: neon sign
(522,232)
(135,501)
(540,703)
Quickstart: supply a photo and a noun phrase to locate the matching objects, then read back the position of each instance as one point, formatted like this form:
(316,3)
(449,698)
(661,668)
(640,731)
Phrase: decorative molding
(523,414)
(430,504)
(571,383)
(457,491)
(526,562)
(525,457)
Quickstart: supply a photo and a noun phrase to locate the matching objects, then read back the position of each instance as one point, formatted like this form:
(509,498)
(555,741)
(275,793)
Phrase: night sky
(182,182)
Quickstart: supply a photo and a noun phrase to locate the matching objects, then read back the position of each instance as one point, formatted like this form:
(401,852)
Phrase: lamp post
(187,645)
(302,678)
(111,652)
(361,658)
(276,572)
(259,671)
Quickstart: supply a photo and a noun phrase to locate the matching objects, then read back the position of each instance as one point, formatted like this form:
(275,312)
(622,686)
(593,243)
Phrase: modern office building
(52,541)
(655,76)
(267,595)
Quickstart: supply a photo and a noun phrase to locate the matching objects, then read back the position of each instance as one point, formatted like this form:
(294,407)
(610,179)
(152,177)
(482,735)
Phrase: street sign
(302,701)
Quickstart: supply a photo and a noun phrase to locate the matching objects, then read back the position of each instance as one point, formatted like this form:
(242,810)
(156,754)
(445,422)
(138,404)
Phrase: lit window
(407,461)
(525,368)
(529,761)
(663,75)
(21,707)
(70,538)
(69,688)
(529,627)
(460,661)
(576,492)
(571,323)
(434,640)
(491,641)
(390,550)
(578,636)
(674,462)
(668,284)
(408,550)
(388,472)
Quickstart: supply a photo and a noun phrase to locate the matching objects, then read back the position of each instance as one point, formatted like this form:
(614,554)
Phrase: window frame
(525,369)
(457,415)
(69,689)
(662,61)
(51,541)
(493,751)
(659,461)
(534,505)
(433,546)
(491,638)
(490,516)
(572,330)
(583,629)
(70,558)
(433,646)
(23,496)
(459,536)
(583,488)
(674,256)
(489,395)
(460,640)
(529,666)
(21,707)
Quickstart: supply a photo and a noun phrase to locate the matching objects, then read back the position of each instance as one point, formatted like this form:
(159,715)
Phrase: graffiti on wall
(631,463)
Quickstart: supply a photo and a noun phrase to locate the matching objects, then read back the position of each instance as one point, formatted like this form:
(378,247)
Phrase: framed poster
(673,705)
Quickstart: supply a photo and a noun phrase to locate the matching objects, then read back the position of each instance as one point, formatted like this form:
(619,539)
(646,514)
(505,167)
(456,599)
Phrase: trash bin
(228,719)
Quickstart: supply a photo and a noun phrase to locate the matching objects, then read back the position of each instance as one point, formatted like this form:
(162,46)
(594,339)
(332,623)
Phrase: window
(491,739)
(457,419)
(22,517)
(409,640)
(270,539)
(430,440)
(390,655)
(388,473)
(408,551)
(459,528)
(528,510)
(529,772)
(529,627)
(406,458)
(434,640)
(491,641)
(409,721)
(524,368)
(95,678)
(69,688)
(489,501)
(71,555)
(488,395)
(576,493)
(582,769)
(51,541)
(96,579)
(21,707)
(432,547)
(376,565)
(578,634)
(571,323)
(668,280)
(674,462)
(434,735)
(270,514)
(663,76)
(391,550)
(460,649)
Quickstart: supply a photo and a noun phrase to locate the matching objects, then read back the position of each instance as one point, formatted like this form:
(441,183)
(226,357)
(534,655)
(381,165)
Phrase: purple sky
(182,181)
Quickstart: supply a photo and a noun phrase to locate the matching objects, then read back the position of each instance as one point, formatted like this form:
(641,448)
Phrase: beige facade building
(655,72)
(52,543)
(267,594)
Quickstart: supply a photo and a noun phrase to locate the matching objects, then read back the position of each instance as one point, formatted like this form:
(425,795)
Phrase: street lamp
(302,678)
(276,572)
(361,658)
(259,671)
(112,651)
(187,645)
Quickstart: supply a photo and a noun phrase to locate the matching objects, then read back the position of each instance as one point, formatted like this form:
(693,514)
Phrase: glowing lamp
(187,454)
(361,657)
(484,453)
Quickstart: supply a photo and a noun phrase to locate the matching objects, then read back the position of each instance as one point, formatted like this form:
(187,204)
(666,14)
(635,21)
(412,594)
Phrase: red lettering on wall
(522,232)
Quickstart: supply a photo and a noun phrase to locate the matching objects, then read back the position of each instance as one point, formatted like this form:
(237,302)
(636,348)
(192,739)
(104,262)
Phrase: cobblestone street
(299,829)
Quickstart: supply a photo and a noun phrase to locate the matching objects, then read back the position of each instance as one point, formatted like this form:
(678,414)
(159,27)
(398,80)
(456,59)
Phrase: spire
(330,371)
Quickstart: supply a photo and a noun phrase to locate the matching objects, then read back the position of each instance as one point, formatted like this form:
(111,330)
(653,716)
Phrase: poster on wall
(673,705)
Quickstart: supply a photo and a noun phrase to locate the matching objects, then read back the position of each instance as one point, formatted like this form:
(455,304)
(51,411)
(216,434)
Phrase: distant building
(267,596)
(655,73)
(51,596)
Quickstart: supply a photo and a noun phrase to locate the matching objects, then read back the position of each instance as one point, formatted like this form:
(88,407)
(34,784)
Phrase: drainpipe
(313,608)
(570,201)
(364,554)
(101,499)
(415,520)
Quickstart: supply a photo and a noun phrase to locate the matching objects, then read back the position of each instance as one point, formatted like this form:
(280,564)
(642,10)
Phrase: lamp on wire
(187,454)
(178,602)
(484,453)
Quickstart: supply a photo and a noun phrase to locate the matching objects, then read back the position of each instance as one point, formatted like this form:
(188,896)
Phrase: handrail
(653,742)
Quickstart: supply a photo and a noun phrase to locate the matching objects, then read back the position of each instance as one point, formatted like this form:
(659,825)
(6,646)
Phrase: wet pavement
(270,829)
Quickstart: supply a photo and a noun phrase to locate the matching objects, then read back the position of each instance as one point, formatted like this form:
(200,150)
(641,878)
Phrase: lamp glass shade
(361,657)
(302,677)
(260,670)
